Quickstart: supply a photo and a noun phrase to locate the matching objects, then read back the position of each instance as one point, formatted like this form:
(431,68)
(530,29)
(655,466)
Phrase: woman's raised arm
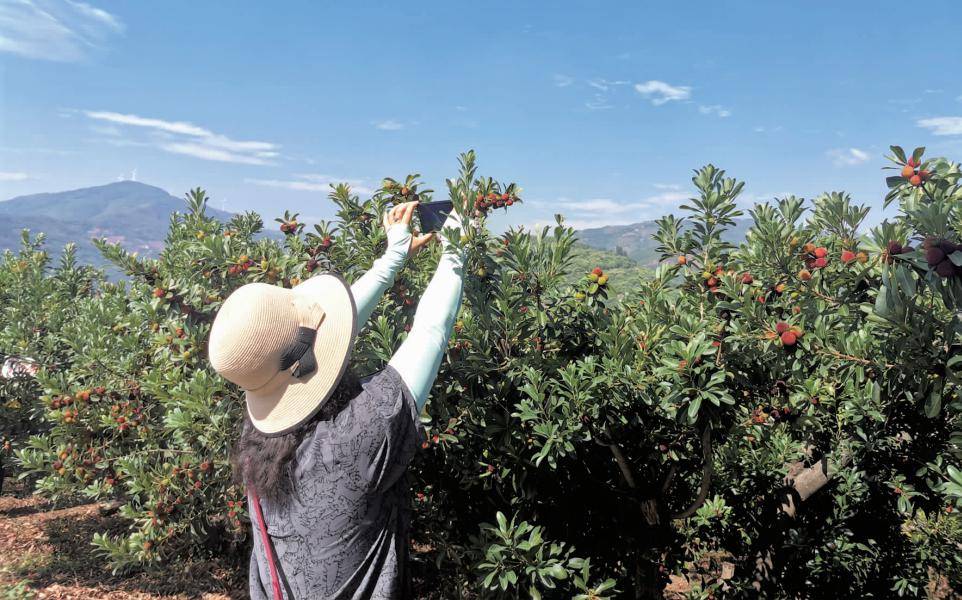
(419,357)
(367,290)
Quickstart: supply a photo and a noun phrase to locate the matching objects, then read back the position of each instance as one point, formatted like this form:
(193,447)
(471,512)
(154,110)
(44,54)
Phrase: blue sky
(599,110)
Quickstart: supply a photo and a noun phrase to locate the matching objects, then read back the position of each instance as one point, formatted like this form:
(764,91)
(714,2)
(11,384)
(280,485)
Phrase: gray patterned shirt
(343,531)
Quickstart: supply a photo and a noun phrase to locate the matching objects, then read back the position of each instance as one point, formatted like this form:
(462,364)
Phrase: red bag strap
(266,541)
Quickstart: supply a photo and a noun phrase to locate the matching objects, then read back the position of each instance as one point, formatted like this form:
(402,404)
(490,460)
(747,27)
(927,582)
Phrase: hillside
(129,212)
(136,215)
(623,272)
(636,242)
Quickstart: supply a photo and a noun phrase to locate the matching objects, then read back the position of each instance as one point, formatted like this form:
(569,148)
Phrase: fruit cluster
(816,257)
(712,280)
(127,415)
(402,294)
(787,334)
(402,192)
(849,256)
(937,255)
(243,264)
(484,203)
(893,249)
(597,281)
(761,414)
(289,227)
(598,276)
(913,174)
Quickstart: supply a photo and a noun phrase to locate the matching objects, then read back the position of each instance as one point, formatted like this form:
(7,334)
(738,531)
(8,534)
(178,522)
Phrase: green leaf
(933,404)
(502,521)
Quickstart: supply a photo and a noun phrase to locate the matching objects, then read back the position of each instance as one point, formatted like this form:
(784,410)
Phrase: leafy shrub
(780,416)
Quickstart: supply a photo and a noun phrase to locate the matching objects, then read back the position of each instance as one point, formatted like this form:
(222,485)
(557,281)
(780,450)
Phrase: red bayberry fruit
(597,271)
(809,248)
(945,268)
(159,292)
(781,327)
(912,162)
(915,180)
(907,171)
(683,260)
(712,282)
(924,175)
(820,263)
(789,338)
(805,274)
(934,255)
(747,278)
(847,256)
(820,252)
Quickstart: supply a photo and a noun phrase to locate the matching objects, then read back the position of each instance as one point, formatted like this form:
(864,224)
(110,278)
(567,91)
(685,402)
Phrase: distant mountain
(636,241)
(134,214)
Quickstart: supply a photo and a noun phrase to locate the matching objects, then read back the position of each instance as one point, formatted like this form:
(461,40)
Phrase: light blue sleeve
(418,359)
(367,290)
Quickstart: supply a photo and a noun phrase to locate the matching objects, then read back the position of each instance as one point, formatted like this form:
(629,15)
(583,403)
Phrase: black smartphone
(433,214)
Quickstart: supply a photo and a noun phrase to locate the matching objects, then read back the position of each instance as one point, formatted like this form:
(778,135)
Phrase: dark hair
(266,463)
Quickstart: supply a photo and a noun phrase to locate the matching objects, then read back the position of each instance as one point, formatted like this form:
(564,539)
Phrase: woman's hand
(401,215)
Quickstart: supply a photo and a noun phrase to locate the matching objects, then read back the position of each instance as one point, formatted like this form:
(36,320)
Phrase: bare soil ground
(45,552)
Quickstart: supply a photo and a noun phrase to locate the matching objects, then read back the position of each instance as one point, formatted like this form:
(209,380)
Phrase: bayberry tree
(779,417)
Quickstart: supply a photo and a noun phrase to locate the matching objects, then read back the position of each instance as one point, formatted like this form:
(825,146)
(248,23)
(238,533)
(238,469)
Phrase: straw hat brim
(285,402)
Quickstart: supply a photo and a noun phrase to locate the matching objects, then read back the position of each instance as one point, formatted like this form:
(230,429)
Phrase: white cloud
(598,102)
(388,125)
(57,30)
(942,125)
(136,121)
(592,207)
(666,186)
(563,80)
(12,176)
(309,182)
(181,137)
(660,92)
(714,109)
(604,85)
(207,153)
(848,157)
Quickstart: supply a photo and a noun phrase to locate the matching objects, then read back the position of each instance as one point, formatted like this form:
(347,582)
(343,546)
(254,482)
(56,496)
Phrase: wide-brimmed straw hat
(286,348)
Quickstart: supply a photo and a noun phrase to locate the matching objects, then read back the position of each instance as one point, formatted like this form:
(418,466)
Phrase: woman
(323,455)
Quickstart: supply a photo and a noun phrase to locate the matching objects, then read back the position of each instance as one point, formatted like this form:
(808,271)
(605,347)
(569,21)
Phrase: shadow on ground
(46,549)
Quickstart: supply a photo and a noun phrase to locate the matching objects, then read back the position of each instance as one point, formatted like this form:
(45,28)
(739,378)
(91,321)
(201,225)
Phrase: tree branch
(623,465)
(707,471)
